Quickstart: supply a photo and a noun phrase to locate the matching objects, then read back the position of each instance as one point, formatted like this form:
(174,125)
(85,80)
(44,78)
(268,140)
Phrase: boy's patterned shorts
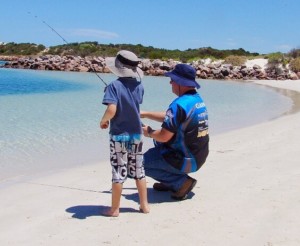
(126,158)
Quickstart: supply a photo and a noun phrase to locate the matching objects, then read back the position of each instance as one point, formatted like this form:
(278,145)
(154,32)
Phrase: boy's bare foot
(111,213)
(145,209)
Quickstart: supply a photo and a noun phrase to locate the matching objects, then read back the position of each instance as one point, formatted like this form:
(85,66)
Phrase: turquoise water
(49,120)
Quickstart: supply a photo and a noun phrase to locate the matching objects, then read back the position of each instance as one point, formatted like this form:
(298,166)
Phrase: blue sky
(262,26)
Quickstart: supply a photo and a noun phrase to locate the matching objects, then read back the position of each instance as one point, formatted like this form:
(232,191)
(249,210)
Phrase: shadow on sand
(85,211)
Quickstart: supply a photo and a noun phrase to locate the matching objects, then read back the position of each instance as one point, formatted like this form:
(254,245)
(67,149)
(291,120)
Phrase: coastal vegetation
(95,49)
(22,49)
(210,63)
(295,65)
(234,56)
(236,60)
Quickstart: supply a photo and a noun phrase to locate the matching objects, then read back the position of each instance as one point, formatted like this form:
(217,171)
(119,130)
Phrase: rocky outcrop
(9,58)
(212,70)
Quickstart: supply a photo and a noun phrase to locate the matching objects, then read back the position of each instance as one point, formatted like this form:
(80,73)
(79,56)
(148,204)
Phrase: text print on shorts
(126,159)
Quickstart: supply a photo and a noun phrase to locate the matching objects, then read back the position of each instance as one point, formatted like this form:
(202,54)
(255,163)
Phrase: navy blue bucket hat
(184,75)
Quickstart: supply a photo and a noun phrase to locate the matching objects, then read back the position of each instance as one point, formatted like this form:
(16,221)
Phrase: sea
(50,120)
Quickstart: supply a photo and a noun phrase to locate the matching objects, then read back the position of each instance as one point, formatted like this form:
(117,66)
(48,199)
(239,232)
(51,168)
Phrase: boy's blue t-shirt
(127,94)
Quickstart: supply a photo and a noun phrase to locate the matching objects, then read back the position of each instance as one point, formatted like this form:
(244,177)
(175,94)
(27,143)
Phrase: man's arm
(162,135)
(157,116)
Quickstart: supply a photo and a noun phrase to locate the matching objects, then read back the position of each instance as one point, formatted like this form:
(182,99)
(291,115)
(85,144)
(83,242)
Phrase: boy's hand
(104,124)
(145,128)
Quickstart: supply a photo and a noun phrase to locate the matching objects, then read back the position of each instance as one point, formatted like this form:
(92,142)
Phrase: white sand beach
(247,194)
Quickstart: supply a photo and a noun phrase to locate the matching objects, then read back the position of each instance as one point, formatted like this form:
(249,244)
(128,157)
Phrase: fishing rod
(93,69)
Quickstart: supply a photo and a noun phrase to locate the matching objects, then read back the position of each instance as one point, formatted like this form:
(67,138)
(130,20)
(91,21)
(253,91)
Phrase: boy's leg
(115,200)
(142,189)
(136,171)
(118,161)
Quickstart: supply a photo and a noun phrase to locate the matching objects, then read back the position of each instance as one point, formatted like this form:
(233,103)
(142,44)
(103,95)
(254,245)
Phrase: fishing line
(93,69)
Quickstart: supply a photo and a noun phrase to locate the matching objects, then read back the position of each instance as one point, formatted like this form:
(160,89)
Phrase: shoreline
(290,89)
(247,194)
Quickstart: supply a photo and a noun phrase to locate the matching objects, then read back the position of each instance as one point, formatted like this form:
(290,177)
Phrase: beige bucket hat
(125,64)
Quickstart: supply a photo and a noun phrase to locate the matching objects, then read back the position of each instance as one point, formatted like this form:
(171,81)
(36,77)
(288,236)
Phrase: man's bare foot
(111,212)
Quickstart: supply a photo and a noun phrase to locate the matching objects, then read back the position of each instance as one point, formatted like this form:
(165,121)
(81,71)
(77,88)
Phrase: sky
(263,26)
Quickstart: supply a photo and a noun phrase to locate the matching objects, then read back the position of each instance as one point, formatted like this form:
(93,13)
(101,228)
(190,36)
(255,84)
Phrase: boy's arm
(108,115)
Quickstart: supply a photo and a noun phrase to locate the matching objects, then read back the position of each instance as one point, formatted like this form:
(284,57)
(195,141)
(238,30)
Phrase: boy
(123,97)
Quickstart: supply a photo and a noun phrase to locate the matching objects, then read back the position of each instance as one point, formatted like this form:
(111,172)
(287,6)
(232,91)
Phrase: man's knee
(151,156)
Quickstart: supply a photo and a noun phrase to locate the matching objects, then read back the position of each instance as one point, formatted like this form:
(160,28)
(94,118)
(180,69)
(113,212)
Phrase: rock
(164,66)
(225,71)
(83,69)
(216,71)
(34,65)
(146,64)
(203,75)
(105,70)
(205,69)
(156,63)
(211,66)
(244,71)
(256,67)
(293,76)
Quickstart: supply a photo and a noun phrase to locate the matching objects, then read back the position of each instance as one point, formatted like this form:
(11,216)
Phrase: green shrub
(20,49)
(235,60)
(295,64)
(294,53)
(190,60)
(275,59)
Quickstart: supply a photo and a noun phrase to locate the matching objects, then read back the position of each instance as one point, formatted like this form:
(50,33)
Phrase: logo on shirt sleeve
(169,115)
